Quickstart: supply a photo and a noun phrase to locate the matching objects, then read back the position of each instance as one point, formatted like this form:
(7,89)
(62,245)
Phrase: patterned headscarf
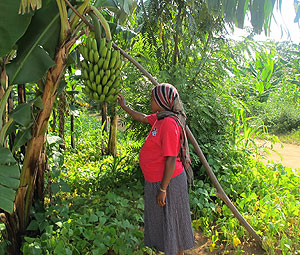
(167,97)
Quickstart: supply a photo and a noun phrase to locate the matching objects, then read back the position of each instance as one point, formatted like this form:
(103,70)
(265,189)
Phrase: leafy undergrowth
(267,197)
(109,219)
(96,205)
(101,223)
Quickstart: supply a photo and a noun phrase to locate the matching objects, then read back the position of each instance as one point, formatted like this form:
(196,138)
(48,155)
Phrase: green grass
(102,213)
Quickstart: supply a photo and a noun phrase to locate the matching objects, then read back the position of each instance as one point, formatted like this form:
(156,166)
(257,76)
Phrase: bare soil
(286,154)
(202,245)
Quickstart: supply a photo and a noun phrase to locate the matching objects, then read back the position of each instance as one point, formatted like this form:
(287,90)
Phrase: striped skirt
(169,228)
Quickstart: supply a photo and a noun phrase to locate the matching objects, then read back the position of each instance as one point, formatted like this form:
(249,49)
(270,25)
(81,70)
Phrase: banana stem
(103,22)
(65,26)
(77,14)
(97,27)
(3,103)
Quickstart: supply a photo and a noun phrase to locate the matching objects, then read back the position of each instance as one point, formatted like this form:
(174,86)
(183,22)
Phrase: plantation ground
(289,155)
(202,248)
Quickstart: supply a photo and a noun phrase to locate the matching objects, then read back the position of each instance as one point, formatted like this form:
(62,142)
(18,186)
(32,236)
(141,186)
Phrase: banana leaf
(12,25)
(22,115)
(230,10)
(122,8)
(36,49)
(241,12)
(9,179)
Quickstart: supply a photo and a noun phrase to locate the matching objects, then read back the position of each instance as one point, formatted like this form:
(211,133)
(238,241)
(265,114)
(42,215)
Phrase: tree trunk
(32,158)
(11,224)
(104,116)
(112,143)
(21,94)
(61,117)
(21,100)
(72,132)
(54,120)
(12,136)
(40,178)
(104,124)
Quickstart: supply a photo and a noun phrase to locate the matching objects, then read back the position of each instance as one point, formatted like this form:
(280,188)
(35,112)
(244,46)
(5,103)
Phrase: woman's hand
(161,198)
(121,100)
(134,114)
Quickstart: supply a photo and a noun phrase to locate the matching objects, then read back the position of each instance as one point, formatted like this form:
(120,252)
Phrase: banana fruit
(100,70)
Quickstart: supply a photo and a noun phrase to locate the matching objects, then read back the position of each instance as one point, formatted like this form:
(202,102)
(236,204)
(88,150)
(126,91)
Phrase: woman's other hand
(161,198)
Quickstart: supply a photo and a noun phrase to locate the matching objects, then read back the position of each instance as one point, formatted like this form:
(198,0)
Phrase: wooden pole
(221,194)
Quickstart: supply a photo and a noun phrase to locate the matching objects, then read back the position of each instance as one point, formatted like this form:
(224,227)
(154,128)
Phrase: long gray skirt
(169,228)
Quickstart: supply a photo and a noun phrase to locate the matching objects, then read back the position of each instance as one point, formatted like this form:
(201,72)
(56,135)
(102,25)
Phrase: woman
(165,162)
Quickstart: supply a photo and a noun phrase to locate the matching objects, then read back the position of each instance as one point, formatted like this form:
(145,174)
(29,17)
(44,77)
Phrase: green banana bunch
(100,70)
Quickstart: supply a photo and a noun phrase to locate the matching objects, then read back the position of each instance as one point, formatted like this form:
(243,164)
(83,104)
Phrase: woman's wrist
(163,190)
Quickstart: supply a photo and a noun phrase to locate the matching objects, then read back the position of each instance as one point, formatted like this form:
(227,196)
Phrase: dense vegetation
(233,92)
(89,190)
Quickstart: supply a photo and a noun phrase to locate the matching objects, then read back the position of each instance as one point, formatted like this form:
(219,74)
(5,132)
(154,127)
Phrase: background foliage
(232,92)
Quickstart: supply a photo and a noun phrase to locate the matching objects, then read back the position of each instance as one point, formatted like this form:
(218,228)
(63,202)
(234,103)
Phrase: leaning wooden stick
(220,192)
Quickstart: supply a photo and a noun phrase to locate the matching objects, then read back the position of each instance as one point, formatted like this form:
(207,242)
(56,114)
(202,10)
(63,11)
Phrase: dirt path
(202,245)
(289,155)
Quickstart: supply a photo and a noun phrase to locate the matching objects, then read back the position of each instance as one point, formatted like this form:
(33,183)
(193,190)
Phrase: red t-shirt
(162,141)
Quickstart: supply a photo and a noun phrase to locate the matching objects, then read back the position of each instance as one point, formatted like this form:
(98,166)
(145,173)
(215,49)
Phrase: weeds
(103,211)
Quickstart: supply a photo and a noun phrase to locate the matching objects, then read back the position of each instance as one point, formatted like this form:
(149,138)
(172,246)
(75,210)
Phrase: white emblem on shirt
(154,132)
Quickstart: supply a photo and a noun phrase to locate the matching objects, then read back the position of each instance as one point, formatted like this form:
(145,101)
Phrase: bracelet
(163,190)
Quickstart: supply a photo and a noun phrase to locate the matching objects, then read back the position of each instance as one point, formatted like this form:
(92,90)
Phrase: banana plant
(41,41)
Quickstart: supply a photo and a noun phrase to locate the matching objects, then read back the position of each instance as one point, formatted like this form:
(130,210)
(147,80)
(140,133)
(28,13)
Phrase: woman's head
(166,97)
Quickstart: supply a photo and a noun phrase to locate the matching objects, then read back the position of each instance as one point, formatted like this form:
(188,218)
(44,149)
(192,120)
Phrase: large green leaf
(12,24)
(230,10)
(6,204)
(269,7)
(22,114)
(9,182)
(36,48)
(122,8)
(5,156)
(241,12)
(11,171)
(258,15)
(261,12)
(21,138)
(9,179)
